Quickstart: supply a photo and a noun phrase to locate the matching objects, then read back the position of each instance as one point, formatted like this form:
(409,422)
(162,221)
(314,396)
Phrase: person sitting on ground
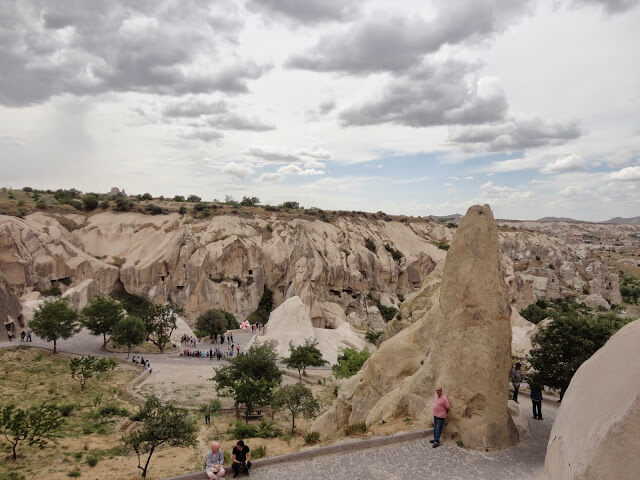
(240,459)
(214,460)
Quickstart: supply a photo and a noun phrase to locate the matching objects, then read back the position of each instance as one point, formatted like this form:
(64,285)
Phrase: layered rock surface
(461,342)
(596,433)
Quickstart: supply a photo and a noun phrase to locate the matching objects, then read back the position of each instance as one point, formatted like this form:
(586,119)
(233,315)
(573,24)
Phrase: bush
(370,245)
(146,196)
(178,198)
(66,409)
(182,210)
(292,205)
(242,430)
(372,336)
(193,199)
(123,204)
(74,473)
(350,361)
(356,428)
(92,461)
(259,452)
(27,189)
(442,245)
(249,201)
(90,202)
(268,430)
(77,204)
(311,437)
(154,209)
(396,254)
(112,411)
(41,204)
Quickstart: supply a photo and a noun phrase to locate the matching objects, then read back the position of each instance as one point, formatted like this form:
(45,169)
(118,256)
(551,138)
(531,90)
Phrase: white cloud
(238,170)
(500,195)
(564,164)
(627,174)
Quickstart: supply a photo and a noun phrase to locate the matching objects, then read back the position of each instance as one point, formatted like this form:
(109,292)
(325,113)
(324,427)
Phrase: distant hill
(445,218)
(560,219)
(620,220)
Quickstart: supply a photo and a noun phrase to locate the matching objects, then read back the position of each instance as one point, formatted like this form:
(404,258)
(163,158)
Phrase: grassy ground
(31,376)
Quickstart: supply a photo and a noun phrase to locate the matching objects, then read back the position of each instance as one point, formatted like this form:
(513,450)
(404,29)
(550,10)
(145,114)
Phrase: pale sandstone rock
(520,418)
(596,433)
(462,342)
(522,332)
(10,310)
(291,323)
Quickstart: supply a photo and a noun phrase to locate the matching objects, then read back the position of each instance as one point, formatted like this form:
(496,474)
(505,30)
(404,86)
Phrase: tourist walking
(516,378)
(29,339)
(214,460)
(441,407)
(22,335)
(536,400)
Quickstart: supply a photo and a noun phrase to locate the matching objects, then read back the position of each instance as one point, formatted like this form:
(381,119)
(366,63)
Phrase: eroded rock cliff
(460,340)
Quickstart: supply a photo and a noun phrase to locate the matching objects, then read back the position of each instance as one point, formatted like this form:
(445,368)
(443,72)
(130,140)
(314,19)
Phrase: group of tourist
(188,340)
(214,460)
(25,336)
(145,363)
(212,353)
(222,337)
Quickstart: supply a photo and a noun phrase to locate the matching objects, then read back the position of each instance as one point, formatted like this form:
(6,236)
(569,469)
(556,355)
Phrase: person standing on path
(29,339)
(516,378)
(536,400)
(441,407)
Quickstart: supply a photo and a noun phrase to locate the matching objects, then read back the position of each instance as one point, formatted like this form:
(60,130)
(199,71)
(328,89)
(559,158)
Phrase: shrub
(370,245)
(387,312)
(104,204)
(311,437)
(292,205)
(193,199)
(268,430)
(372,336)
(123,204)
(66,409)
(92,461)
(146,196)
(249,201)
(182,210)
(74,473)
(356,428)
(154,209)
(259,452)
(77,204)
(350,361)
(178,198)
(442,245)
(551,266)
(395,254)
(242,430)
(112,411)
(27,189)
(41,204)
(90,202)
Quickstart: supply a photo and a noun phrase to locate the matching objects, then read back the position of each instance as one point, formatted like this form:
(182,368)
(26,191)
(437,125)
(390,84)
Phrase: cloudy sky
(410,107)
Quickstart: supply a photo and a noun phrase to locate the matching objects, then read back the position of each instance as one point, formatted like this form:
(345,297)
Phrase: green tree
(178,198)
(129,331)
(90,201)
(249,201)
(569,340)
(193,199)
(160,425)
(160,322)
(84,368)
(215,321)
(55,320)
(147,196)
(350,362)
(265,306)
(297,399)
(101,315)
(303,356)
(33,425)
(122,203)
(250,378)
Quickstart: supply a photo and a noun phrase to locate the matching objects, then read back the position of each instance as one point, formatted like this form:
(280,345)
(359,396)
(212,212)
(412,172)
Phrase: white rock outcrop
(596,434)
(291,323)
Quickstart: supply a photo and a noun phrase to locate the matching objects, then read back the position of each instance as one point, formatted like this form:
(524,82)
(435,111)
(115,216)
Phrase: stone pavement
(417,460)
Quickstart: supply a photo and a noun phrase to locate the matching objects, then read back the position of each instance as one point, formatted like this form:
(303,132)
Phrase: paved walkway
(417,460)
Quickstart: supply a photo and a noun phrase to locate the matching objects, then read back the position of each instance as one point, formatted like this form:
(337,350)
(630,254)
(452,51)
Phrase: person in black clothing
(536,400)
(240,458)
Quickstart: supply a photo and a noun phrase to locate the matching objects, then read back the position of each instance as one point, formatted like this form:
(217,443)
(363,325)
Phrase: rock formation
(291,322)
(461,342)
(596,433)
(10,310)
